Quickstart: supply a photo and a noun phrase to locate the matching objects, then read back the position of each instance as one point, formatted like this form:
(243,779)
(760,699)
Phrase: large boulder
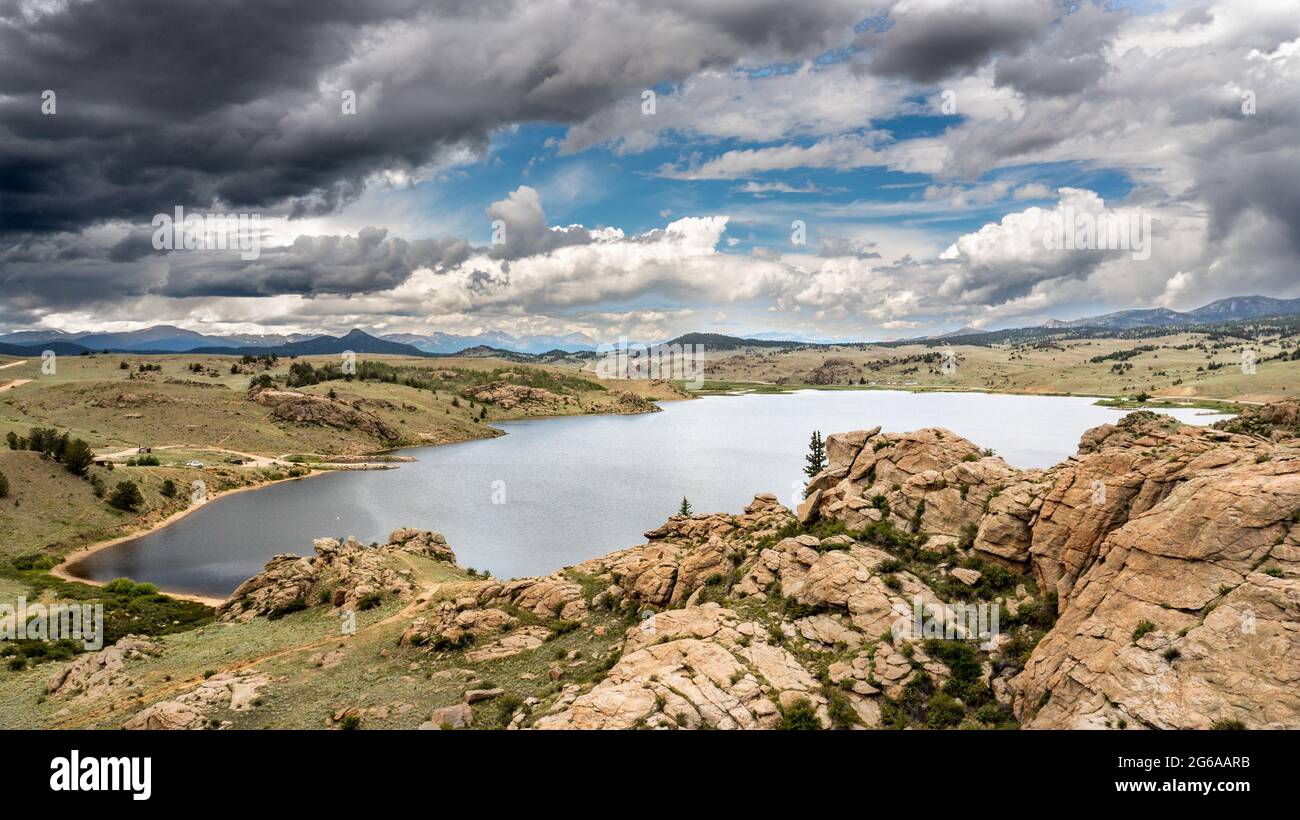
(701,667)
(1188,618)
(104,672)
(203,706)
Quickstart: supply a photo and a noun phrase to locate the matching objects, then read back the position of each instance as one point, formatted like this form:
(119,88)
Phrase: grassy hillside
(1182,366)
(112,407)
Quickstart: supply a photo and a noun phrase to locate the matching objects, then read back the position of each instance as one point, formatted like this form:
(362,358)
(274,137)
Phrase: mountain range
(172,339)
(1224,310)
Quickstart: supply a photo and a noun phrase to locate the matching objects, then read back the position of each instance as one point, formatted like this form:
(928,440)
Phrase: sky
(626,168)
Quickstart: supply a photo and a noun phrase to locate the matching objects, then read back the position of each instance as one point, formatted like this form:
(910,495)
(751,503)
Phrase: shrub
(127,588)
(840,710)
(4,486)
(36,560)
(369,601)
(126,496)
(1144,626)
(800,716)
(944,711)
(169,489)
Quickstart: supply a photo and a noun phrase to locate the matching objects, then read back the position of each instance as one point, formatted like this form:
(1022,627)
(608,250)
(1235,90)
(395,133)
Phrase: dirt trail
(15,383)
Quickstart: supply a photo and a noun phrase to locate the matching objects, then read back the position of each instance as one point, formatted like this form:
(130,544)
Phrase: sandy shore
(64,570)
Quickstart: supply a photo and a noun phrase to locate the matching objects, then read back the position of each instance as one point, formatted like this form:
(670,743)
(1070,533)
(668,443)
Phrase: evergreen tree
(77,457)
(126,496)
(685,509)
(4,486)
(816,457)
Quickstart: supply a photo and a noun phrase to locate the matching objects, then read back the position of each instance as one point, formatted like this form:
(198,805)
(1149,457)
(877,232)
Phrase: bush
(127,588)
(36,560)
(169,489)
(4,486)
(944,711)
(800,716)
(1144,626)
(840,710)
(126,496)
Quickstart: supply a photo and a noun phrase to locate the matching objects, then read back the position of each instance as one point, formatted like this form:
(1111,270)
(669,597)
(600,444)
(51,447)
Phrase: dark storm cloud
(193,102)
(1069,59)
(312,265)
(930,41)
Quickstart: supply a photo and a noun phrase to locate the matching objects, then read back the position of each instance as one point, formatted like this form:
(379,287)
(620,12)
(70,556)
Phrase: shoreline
(63,570)
(771,388)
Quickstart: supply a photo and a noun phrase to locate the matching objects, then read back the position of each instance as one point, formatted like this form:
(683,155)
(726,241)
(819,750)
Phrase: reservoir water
(557,491)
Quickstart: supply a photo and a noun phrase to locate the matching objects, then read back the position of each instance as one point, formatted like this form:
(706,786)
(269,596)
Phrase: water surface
(557,491)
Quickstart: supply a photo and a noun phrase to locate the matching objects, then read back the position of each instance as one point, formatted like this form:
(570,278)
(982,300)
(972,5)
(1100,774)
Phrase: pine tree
(685,509)
(77,457)
(816,457)
(126,496)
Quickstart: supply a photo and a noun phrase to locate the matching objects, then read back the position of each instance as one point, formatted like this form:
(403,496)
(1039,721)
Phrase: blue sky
(926,146)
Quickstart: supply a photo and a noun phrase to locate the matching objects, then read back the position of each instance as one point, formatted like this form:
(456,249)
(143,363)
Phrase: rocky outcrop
(428,543)
(103,672)
(692,668)
(294,407)
(1190,617)
(201,707)
(625,401)
(685,555)
(347,575)
(931,481)
(453,624)
(1171,550)
(834,371)
(508,396)
(1121,471)
(554,596)
(1277,421)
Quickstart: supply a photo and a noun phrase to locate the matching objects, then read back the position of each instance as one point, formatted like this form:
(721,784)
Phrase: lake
(557,491)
